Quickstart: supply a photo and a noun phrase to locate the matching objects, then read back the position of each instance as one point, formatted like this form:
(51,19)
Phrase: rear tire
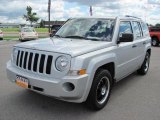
(155,41)
(145,66)
(100,90)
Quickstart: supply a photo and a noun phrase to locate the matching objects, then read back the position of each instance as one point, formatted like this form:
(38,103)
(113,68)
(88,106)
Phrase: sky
(12,11)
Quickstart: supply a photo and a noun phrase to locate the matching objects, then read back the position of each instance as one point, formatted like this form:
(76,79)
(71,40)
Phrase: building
(16,25)
(52,23)
(9,25)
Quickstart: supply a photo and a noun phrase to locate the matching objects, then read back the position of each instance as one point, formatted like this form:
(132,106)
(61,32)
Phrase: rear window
(27,30)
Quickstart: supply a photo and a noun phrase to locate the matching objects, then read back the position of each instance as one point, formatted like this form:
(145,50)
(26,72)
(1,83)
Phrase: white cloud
(13,10)
(74,12)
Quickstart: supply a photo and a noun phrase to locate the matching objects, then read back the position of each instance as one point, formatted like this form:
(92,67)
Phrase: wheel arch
(110,67)
(154,36)
(149,51)
(107,61)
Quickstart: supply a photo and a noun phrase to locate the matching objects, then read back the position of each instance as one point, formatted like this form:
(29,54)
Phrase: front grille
(35,62)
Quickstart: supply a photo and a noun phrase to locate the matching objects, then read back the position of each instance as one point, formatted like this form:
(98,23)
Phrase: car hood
(73,47)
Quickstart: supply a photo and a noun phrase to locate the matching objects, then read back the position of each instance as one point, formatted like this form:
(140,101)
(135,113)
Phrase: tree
(30,16)
(157,25)
(42,23)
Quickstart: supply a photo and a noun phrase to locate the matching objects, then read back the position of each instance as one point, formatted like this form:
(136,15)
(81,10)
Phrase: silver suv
(83,60)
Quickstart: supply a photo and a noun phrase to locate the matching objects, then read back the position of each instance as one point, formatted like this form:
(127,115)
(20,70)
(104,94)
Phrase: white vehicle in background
(1,35)
(28,33)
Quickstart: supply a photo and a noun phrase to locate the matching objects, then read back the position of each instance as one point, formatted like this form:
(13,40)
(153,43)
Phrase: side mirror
(125,37)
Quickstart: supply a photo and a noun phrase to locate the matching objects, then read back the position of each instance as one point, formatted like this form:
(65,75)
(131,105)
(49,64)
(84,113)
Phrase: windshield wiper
(75,36)
(81,37)
(57,36)
(93,39)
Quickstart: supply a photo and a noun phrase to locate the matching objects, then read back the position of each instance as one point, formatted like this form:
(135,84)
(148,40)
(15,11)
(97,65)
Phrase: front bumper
(29,37)
(1,36)
(52,87)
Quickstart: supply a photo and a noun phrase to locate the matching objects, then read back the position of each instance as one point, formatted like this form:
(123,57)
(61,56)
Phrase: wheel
(145,66)
(155,42)
(100,90)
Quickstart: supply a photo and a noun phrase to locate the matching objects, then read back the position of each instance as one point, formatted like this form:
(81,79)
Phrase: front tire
(100,90)
(145,66)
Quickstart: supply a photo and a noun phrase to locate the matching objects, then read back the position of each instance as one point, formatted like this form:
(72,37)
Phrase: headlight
(62,63)
(14,54)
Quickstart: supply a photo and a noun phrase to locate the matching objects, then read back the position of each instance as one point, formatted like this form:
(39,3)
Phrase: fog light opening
(68,87)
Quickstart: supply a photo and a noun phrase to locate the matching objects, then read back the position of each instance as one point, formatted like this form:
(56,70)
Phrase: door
(126,53)
(139,42)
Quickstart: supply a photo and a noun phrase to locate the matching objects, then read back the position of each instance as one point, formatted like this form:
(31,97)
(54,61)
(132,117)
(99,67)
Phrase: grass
(17,29)
(10,29)
(41,29)
(16,37)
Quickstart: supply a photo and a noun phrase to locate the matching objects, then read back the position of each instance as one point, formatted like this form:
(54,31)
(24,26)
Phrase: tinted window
(145,29)
(137,30)
(125,27)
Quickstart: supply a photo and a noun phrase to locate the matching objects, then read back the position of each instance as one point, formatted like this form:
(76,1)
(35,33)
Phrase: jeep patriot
(83,60)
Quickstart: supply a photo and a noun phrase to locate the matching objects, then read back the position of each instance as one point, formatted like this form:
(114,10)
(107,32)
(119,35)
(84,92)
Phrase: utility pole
(49,12)
(91,11)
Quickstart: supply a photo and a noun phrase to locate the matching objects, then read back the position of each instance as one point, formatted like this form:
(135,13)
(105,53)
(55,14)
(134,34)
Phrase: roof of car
(121,18)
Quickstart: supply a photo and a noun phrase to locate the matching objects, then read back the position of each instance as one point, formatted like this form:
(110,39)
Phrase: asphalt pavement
(134,98)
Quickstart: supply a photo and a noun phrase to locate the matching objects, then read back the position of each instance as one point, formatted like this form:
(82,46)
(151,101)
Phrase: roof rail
(132,16)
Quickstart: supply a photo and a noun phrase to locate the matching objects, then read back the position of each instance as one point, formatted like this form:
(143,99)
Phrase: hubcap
(146,64)
(103,89)
(154,42)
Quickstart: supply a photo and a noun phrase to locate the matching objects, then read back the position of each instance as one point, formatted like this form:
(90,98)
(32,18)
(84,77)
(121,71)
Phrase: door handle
(144,43)
(134,46)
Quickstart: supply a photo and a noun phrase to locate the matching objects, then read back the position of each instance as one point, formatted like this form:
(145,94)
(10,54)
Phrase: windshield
(91,28)
(27,30)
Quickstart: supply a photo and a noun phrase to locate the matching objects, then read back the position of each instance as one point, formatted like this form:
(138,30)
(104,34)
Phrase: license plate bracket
(22,81)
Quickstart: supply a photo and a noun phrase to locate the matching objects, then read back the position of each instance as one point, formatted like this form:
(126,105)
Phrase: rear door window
(145,29)
(137,30)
